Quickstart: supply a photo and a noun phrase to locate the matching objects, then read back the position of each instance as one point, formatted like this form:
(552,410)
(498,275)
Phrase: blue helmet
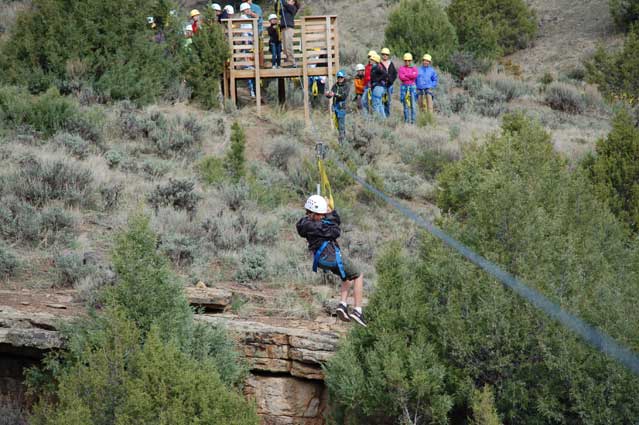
(341,74)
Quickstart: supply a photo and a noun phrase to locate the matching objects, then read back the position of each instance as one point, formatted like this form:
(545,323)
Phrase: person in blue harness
(339,94)
(320,227)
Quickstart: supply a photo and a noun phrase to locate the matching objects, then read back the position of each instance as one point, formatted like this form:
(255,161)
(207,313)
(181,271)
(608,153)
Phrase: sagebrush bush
(280,152)
(74,145)
(617,73)
(509,87)
(419,27)
(493,28)
(253,265)
(463,63)
(180,249)
(489,102)
(565,97)
(70,269)
(178,194)
(8,261)
(39,182)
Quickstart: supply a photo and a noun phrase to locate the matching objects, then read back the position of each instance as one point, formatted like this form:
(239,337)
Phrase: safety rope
(596,338)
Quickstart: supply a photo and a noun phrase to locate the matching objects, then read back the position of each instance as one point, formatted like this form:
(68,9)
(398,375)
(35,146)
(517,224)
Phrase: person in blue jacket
(426,83)
(320,228)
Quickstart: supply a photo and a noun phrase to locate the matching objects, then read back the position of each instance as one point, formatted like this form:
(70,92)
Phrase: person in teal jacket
(339,94)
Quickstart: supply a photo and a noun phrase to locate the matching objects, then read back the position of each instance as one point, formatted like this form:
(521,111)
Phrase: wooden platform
(316,51)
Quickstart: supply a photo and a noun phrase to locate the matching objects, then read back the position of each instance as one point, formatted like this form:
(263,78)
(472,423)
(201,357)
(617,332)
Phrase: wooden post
(256,61)
(281,91)
(329,78)
(231,63)
(334,28)
(307,110)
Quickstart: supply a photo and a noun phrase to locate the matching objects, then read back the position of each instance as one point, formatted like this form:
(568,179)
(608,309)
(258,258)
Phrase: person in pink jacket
(408,92)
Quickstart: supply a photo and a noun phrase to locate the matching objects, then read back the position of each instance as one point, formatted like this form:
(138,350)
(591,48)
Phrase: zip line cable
(596,338)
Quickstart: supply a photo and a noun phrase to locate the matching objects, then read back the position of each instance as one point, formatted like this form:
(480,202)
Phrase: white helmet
(244,6)
(272,16)
(188,27)
(360,67)
(316,204)
(216,7)
(229,9)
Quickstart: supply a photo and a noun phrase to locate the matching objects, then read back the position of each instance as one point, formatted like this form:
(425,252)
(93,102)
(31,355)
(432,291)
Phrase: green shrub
(493,28)
(509,87)
(484,412)
(177,194)
(565,97)
(119,59)
(20,222)
(204,61)
(180,249)
(615,169)
(281,152)
(399,183)
(211,170)
(234,162)
(75,145)
(8,261)
(490,102)
(252,266)
(119,379)
(624,12)
(419,27)
(69,269)
(617,73)
(432,161)
(113,158)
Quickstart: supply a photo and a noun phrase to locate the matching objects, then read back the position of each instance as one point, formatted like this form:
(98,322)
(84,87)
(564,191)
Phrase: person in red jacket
(366,105)
(195,20)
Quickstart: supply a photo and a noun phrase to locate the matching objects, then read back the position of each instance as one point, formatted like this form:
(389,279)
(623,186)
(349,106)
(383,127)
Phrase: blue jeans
(366,109)
(276,51)
(378,106)
(387,105)
(410,111)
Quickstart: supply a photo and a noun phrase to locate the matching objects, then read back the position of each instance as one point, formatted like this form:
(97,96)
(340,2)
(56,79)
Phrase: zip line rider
(320,227)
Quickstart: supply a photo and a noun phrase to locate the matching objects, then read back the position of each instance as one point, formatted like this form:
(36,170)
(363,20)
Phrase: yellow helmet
(194,12)
(428,57)
(376,58)
(408,57)
(385,51)
(371,53)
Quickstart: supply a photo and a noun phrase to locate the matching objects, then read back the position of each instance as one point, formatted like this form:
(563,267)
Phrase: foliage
(211,170)
(118,379)
(419,27)
(514,200)
(70,269)
(615,169)
(105,44)
(39,182)
(464,63)
(8,261)
(253,266)
(234,162)
(565,97)
(493,28)
(47,113)
(617,73)
(203,62)
(484,412)
(21,222)
(624,12)
(177,194)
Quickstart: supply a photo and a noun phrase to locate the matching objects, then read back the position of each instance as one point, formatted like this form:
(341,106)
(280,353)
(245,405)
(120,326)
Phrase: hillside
(170,161)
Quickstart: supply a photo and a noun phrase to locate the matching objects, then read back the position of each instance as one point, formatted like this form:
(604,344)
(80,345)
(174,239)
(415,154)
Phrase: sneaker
(342,313)
(358,317)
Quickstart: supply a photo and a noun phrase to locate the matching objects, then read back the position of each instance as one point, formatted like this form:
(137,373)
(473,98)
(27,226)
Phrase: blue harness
(338,259)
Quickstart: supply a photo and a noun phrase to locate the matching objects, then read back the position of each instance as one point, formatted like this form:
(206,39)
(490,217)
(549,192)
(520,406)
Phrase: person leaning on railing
(287,24)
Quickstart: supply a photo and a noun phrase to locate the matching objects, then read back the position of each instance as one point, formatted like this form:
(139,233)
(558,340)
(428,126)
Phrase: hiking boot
(358,317)
(342,313)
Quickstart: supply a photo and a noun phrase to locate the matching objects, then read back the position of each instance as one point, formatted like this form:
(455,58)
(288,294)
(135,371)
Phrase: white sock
(358,309)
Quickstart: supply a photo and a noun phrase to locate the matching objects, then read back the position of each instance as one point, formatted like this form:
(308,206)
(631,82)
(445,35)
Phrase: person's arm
(434,79)
(342,93)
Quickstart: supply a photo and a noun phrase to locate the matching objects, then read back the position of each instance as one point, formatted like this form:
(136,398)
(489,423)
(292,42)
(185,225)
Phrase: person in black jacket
(387,63)
(320,227)
(289,10)
(379,84)
(339,94)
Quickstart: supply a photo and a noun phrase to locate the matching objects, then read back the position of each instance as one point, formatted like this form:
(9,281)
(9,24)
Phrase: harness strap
(338,259)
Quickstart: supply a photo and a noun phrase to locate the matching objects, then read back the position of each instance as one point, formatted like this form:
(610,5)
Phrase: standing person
(188,36)
(392,76)
(274,42)
(379,84)
(230,12)
(426,82)
(408,93)
(256,12)
(219,13)
(195,20)
(244,9)
(367,96)
(320,227)
(289,10)
(359,84)
(339,94)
